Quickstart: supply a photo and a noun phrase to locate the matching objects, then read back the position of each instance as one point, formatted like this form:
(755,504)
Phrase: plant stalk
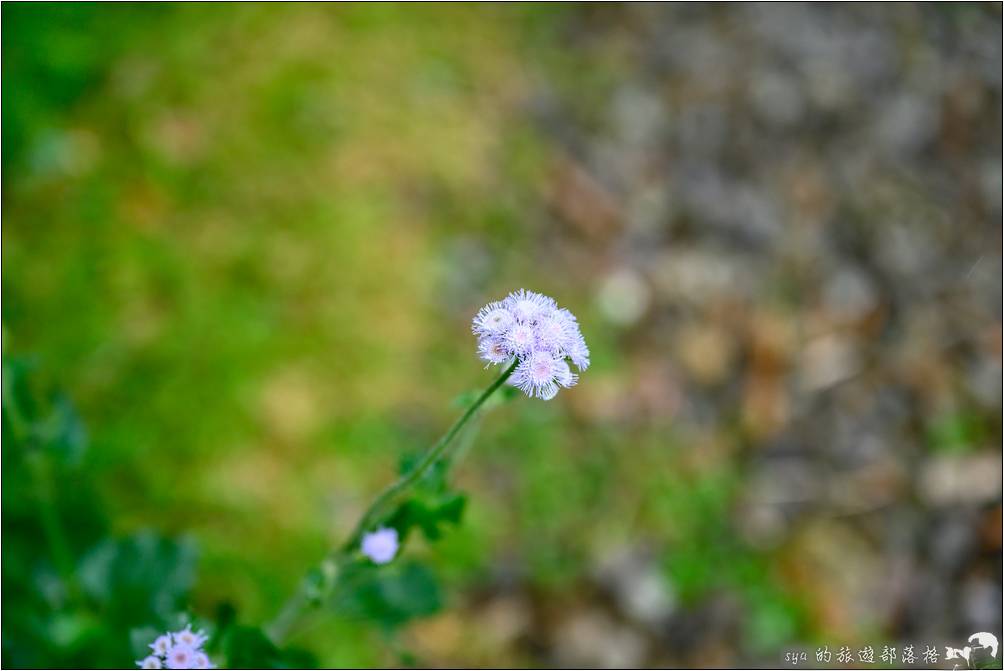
(280,627)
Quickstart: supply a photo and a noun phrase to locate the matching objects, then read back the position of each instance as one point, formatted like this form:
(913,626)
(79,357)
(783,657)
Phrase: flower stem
(283,623)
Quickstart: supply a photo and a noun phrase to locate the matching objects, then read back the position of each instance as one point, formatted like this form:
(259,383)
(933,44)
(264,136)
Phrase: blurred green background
(246,243)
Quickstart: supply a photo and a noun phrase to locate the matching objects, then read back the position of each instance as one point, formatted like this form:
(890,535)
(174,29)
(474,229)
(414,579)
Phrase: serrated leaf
(428,515)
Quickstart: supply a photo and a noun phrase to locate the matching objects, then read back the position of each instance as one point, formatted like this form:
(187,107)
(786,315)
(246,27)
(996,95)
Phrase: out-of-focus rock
(582,201)
(506,619)
(623,297)
(707,352)
(639,588)
(593,639)
(968,479)
(826,361)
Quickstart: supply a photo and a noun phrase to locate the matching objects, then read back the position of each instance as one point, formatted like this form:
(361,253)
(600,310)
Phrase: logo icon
(981,644)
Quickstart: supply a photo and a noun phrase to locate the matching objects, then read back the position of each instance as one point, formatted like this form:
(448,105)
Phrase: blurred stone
(438,638)
(780,481)
(506,618)
(639,588)
(982,604)
(849,295)
(697,276)
(623,297)
(777,97)
(657,389)
(762,526)
(951,540)
(947,480)
(706,352)
(826,361)
(581,200)
(843,576)
(592,639)
(639,115)
(907,123)
(879,482)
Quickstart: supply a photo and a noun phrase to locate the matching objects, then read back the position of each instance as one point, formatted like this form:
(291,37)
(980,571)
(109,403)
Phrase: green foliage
(76,590)
(249,648)
(388,596)
(36,418)
(428,516)
(141,578)
(956,432)
(431,506)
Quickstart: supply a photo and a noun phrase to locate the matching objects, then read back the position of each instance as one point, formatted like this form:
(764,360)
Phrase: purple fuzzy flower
(542,337)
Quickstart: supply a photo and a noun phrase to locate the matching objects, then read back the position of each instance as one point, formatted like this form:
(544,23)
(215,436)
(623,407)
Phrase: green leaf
(140,639)
(389,595)
(36,417)
(140,578)
(464,399)
(249,648)
(428,515)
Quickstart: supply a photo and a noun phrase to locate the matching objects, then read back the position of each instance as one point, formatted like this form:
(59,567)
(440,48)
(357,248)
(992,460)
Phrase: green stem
(52,528)
(280,627)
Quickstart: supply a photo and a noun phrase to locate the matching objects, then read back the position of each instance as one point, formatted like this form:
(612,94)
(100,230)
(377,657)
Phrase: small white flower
(521,339)
(579,353)
(190,638)
(181,656)
(381,545)
(151,662)
(202,661)
(528,306)
(494,350)
(555,333)
(161,645)
(492,319)
(536,376)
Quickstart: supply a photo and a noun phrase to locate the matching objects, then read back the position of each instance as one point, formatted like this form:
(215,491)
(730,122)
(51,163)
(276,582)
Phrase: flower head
(190,638)
(521,339)
(494,350)
(528,306)
(178,650)
(181,656)
(493,318)
(540,335)
(380,545)
(161,645)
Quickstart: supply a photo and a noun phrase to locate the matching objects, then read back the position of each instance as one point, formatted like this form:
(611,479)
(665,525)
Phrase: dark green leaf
(428,515)
(249,648)
(389,596)
(140,578)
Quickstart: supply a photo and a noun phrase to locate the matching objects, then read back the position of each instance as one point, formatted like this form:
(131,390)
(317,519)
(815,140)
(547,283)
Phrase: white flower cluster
(178,650)
(532,328)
